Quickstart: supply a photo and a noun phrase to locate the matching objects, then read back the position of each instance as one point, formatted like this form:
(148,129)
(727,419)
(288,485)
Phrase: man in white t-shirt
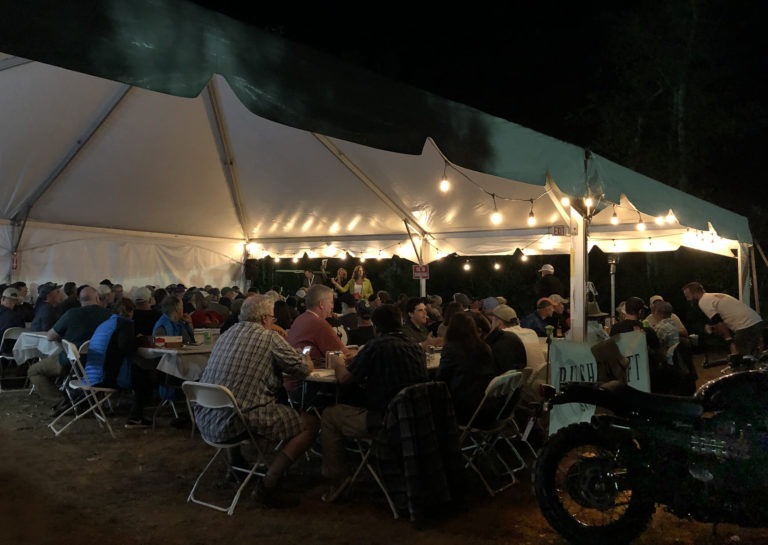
(736,322)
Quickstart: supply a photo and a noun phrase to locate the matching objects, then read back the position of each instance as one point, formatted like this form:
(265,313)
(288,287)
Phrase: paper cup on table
(159,342)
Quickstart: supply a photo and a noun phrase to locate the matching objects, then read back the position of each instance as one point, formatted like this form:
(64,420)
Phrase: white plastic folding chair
(491,427)
(92,398)
(7,359)
(215,396)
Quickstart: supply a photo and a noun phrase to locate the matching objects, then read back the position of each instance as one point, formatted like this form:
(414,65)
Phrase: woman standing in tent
(359,286)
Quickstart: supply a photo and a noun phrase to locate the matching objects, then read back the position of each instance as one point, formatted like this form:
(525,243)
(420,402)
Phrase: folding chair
(215,396)
(7,359)
(491,426)
(93,397)
(363,448)
(417,460)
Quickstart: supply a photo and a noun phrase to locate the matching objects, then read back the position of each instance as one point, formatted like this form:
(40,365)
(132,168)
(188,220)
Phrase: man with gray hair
(250,359)
(311,327)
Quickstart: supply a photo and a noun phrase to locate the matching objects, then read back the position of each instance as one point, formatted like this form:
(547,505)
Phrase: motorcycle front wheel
(590,487)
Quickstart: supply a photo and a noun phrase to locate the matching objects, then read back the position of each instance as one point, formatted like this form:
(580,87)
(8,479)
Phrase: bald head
(89,296)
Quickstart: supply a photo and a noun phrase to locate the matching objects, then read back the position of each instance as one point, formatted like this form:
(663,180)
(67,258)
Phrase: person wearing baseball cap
(548,283)
(8,315)
(508,349)
(654,316)
(48,306)
(537,320)
(561,317)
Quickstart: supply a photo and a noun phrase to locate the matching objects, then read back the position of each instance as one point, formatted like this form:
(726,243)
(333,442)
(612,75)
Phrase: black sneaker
(138,423)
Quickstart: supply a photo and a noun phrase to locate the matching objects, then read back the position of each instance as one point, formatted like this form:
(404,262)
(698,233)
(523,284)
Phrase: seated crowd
(376,344)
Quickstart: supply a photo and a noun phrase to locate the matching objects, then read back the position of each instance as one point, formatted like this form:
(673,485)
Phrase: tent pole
(754,279)
(612,265)
(578,276)
(743,272)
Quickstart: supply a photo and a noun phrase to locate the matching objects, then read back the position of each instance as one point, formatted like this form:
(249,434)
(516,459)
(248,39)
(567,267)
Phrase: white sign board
(574,362)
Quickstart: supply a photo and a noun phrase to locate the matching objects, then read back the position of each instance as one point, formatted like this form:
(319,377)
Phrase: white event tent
(170,144)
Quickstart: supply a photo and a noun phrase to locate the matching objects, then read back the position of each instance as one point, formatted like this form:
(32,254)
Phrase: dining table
(34,344)
(185,363)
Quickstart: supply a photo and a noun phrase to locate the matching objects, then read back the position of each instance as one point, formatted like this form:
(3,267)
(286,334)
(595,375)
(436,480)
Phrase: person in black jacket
(548,283)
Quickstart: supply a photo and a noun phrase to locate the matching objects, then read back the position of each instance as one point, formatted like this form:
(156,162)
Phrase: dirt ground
(85,487)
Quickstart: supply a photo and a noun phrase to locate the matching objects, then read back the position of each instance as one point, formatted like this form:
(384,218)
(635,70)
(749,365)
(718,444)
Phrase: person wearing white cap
(8,315)
(548,283)
(655,317)
(144,316)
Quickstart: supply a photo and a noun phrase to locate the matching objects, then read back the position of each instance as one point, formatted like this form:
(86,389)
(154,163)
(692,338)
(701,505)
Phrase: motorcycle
(703,457)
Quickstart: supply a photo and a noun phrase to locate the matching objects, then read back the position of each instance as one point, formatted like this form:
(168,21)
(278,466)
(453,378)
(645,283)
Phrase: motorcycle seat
(647,403)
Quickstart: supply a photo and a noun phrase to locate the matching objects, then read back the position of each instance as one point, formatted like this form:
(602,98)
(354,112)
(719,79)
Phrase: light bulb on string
(467,266)
(614,217)
(445,184)
(523,257)
(670,217)
(531,216)
(497,266)
(565,201)
(496,216)
(640,222)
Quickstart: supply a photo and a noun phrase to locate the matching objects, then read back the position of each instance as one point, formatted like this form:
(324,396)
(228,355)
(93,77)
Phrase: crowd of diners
(380,345)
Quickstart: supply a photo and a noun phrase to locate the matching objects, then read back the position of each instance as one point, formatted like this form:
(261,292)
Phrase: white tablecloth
(34,344)
(186,363)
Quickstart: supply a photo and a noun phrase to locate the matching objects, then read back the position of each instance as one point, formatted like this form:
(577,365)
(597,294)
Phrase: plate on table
(323,372)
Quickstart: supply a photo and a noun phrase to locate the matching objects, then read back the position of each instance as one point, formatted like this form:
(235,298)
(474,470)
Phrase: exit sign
(420,271)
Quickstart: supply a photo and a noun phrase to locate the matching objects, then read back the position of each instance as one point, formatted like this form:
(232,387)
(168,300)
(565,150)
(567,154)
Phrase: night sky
(552,65)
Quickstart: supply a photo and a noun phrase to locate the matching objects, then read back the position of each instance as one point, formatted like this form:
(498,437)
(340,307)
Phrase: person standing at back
(358,286)
(736,322)
(548,283)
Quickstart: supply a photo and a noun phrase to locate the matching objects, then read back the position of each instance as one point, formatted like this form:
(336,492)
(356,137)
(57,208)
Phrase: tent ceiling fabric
(186,127)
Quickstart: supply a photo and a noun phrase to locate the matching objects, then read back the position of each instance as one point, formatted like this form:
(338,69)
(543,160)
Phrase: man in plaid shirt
(250,359)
